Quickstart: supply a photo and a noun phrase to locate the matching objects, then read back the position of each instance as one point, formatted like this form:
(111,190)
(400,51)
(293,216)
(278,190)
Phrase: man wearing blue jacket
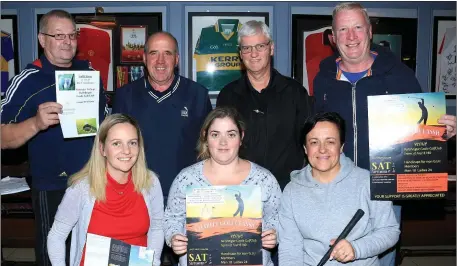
(30,117)
(359,70)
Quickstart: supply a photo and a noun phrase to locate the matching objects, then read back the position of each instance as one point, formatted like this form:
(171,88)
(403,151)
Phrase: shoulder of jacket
(29,74)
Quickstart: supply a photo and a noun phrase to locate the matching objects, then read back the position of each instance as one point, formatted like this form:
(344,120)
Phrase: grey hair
(146,47)
(56,13)
(349,6)
(253,27)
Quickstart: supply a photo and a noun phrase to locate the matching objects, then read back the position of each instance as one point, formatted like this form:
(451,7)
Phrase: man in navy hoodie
(30,117)
(362,69)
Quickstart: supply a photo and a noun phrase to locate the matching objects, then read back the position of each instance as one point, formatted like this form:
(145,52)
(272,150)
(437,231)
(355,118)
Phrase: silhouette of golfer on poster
(424,112)
(240,209)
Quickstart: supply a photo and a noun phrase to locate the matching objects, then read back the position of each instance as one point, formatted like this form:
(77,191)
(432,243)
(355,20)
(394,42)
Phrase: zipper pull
(258,111)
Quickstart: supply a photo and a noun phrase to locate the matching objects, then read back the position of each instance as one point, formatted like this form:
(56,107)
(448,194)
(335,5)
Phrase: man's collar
(277,82)
(339,72)
(267,88)
(150,88)
(47,66)
(160,96)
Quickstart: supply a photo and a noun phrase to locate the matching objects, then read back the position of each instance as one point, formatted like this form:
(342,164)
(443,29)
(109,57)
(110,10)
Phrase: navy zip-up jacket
(388,75)
(52,158)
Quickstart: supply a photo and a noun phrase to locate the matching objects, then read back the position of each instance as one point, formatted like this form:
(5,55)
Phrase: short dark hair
(218,112)
(331,117)
(56,13)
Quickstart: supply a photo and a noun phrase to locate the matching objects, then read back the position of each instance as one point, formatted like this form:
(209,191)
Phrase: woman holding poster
(114,195)
(219,166)
(321,199)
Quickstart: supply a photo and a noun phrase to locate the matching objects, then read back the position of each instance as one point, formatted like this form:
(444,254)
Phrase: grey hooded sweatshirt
(313,213)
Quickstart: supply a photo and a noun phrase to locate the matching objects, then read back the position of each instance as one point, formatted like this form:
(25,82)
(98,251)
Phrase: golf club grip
(343,235)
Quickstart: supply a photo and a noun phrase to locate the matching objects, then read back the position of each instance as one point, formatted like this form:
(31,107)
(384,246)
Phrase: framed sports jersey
(9,49)
(214,59)
(312,41)
(444,56)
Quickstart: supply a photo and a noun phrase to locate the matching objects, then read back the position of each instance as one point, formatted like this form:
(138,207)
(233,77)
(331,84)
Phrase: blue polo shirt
(52,158)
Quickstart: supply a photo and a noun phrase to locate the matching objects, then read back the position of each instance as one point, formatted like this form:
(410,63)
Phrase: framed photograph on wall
(9,49)
(133,39)
(312,42)
(444,56)
(214,59)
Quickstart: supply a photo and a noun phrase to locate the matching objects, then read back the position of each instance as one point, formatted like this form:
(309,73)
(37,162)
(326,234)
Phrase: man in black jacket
(274,107)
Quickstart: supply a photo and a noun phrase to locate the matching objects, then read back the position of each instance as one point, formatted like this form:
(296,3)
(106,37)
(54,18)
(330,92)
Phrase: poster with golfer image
(78,93)
(224,225)
(408,149)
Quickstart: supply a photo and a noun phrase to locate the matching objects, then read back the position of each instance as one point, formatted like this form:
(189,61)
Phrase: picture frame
(443,71)
(10,49)
(133,38)
(313,30)
(213,55)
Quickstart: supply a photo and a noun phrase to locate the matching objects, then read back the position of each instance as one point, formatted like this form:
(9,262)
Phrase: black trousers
(45,205)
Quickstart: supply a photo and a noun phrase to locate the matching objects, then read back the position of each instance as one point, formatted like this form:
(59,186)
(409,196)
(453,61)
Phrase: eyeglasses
(260,47)
(61,36)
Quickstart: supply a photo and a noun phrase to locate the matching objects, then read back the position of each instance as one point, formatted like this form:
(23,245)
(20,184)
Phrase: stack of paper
(11,185)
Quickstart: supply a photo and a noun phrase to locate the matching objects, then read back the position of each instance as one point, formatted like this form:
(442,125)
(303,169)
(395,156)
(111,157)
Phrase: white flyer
(78,93)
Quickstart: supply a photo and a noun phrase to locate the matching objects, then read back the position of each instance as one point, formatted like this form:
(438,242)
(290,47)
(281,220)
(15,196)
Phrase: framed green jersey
(213,47)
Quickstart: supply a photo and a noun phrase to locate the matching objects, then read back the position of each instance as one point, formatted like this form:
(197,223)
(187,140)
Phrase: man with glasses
(30,117)
(273,106)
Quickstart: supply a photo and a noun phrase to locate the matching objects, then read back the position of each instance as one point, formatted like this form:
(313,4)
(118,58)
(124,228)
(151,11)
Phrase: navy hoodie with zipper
(387,75)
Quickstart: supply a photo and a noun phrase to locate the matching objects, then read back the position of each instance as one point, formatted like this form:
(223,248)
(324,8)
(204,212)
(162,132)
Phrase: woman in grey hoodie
(321,199)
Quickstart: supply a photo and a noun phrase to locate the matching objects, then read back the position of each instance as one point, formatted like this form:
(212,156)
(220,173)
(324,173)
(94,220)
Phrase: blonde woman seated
(322,198)
(220,139)
(114,195)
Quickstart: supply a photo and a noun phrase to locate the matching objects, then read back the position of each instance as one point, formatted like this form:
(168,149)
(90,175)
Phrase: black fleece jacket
(273,138)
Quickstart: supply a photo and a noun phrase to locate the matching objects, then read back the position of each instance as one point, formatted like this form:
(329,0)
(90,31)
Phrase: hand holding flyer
(78,93)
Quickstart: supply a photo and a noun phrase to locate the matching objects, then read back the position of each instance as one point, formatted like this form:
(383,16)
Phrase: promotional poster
(408,150)
(224,225)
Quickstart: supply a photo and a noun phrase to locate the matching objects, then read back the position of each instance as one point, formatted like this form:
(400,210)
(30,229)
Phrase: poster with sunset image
(408,150)
(224,225)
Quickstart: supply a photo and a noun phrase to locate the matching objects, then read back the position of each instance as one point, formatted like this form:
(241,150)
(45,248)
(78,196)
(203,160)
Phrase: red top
(123,216)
